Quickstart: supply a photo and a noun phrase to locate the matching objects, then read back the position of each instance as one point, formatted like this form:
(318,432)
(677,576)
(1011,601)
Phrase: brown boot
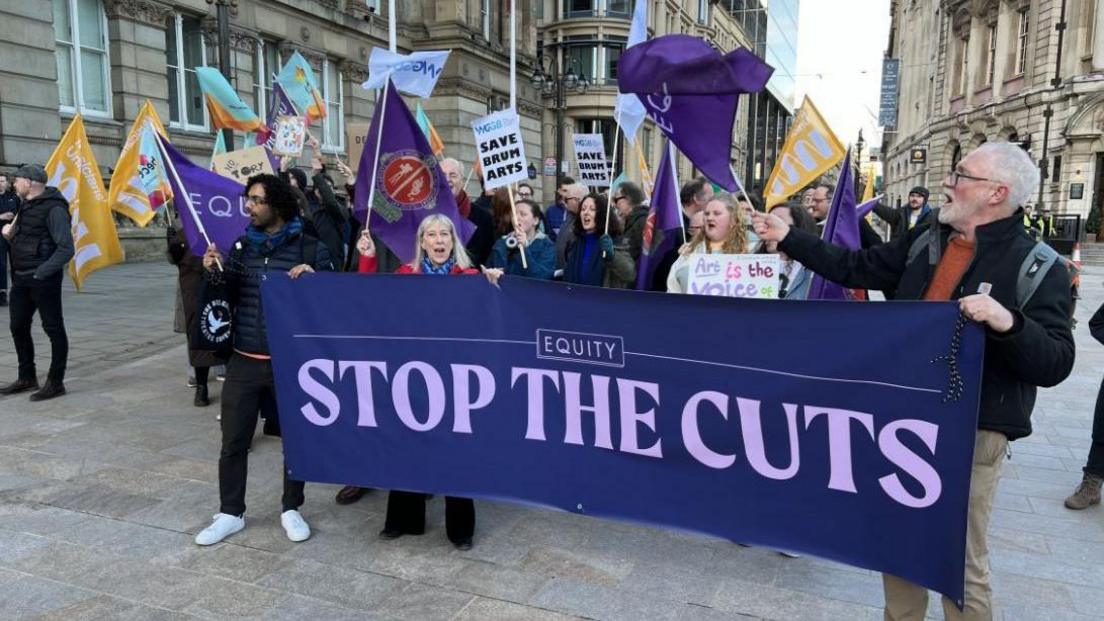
(1087,494)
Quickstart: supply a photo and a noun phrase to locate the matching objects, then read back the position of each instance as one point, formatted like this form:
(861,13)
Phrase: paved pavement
(102,491)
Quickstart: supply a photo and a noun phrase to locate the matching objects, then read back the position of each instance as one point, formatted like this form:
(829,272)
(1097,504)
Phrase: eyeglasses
(522,194)
(256,200)
(956,175)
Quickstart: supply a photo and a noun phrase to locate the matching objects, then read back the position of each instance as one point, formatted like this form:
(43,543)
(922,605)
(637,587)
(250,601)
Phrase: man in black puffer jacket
(274,242)
(977,261)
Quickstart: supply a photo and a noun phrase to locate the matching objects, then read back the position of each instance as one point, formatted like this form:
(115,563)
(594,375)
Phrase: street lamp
(549,82)
(222,16)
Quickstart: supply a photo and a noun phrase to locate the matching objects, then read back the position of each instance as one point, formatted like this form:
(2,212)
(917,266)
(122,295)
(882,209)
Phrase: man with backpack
(274,242)
(974,250)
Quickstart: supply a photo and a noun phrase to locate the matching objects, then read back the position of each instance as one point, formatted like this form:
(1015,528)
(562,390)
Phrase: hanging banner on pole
(501,149)
(590,159)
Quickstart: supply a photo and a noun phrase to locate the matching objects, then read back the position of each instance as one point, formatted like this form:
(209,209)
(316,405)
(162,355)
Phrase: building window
(703,11)
(485,18)
(260,98)
(184,51)
(612,52)
(80,28)
(646,140)
(619,8)
(594,8)
(333,126)
(1021,43)
(580,59)
(991,55)
(374,7)
(963,65)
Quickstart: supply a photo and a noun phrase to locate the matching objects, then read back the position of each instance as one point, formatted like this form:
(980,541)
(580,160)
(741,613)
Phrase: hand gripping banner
(817,427)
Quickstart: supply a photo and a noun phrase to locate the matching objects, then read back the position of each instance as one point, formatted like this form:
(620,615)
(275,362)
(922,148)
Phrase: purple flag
(281,106)
(841,228)
(409,184)
(690,90)
(218,201)
(661,229)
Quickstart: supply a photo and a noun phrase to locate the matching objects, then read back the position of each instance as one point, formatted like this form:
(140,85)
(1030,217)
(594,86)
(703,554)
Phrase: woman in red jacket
(439,252)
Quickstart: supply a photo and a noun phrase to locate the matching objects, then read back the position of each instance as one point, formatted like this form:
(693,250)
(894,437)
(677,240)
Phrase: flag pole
(379,140)
(513,212)
(609,180)
(467,180)
(674,177)
(187,198)
(513,58)
(392,34)
(740,186)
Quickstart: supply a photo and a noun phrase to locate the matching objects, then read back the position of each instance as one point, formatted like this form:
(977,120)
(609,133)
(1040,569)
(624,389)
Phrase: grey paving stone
(774,603)
(299,607)
(30,596)
(226,560)
(226,598)
(576,565)
(420,602)
(602,602)
(346,587)
(483,609)
(497,582)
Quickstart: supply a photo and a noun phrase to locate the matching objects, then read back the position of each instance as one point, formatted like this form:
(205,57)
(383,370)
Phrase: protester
(501,212)
(556,213)
(524,190)
(319,209)
(694,196)
(634,215)
(274,242)
(695,224)
(190,275)
(572,196)
(906,217)
(807,199)
(9,204)
(1087,493)
(725,232)
(482,240)
(746,209)
(822,204)
(40,242)
(540,252)
(793,280)
(596,258)
(982,243)
(438,253)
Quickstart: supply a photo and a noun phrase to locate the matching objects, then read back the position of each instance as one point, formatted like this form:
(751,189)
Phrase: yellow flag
(868,191)
(128,194)
(811,148)
(645,174)
(72,170)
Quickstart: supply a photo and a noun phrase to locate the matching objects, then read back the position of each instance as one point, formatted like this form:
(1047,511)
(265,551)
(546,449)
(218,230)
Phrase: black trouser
(406,514)
(1095,464)
(27,296)
(247,391)
(3,262)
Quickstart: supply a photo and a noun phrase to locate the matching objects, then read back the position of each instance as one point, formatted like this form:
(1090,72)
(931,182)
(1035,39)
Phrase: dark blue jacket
(540,254)
(247,266)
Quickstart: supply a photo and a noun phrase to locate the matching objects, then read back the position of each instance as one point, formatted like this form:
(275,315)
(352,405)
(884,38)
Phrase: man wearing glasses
(524,190)
(572,197)
(977,261)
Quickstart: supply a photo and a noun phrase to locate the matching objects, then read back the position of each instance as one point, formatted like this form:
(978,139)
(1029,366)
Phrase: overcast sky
(839,63)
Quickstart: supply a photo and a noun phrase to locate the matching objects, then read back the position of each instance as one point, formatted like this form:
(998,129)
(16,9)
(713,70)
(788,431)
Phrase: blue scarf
(443,270)
(259,238)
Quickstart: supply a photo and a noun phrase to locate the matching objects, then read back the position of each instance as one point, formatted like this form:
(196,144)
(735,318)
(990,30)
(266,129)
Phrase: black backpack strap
(919,245)
(1032,271)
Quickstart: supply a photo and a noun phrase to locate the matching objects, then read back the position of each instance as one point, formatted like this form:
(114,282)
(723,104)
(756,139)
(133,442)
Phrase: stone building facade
(979,70)
(104,58)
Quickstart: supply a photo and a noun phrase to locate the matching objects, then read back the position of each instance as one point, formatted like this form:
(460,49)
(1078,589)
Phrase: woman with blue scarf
(597,259)
(439,253)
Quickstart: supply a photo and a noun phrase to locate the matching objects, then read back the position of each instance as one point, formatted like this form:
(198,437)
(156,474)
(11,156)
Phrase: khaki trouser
(906,601)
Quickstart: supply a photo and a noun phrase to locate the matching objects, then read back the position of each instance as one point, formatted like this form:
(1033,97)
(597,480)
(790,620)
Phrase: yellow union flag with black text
(128,194)
(73,171)
(811,149)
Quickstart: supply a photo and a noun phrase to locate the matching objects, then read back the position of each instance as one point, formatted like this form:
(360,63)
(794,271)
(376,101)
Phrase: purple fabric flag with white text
(409,184)
(690,90)
(662,228)
(841,228)
(280,106)
(218,201)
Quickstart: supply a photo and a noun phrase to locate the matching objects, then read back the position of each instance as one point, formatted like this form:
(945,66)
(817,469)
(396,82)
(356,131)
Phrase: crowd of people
(970,250)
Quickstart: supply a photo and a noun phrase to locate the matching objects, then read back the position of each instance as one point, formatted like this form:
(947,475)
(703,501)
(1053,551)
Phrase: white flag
(414,74)
(629,111)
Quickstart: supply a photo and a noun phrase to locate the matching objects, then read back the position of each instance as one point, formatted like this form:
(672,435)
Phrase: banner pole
(392,29)
(674,176)
(187,198)
(379,139)
(467,179)
(609,178)
(513,58)
(513,212)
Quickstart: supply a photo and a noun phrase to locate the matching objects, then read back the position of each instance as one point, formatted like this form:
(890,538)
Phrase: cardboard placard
(734,275)
(291,133)
(242,164)
(501,149)
(356,137)
(590,159)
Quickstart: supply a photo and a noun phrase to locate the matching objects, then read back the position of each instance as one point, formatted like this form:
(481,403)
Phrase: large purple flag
(690,90)
(409,184)
(841,228)
(219,203)
(661,229)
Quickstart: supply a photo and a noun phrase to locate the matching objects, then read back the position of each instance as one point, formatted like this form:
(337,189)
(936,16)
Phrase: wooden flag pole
(375,160)
(187,198)
(513,212)
(609,178)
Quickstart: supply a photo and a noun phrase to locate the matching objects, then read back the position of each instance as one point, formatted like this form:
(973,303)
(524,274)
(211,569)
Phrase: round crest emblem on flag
(649,234)
(407,180)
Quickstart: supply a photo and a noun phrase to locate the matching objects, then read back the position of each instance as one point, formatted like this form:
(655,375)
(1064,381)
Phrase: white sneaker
(222,527)
(295,526)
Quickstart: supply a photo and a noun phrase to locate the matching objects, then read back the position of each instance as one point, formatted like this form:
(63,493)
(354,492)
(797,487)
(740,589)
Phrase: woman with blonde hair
(724,231)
